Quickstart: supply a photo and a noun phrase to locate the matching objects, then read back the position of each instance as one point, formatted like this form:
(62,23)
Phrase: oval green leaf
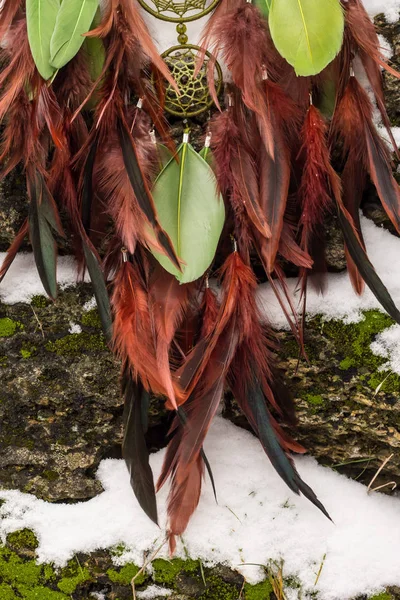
(73,20)
(307,33)
(41,16)
(191,211)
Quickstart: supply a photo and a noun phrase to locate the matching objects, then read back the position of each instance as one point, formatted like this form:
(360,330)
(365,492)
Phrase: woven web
(195,96)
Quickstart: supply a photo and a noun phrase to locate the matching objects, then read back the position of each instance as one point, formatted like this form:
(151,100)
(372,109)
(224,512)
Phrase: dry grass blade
(145,565)
(275,577)
(385,462)
(320,569)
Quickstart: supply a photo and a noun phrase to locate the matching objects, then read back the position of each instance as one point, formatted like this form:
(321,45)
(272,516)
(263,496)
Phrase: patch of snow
(22,280)
(390,8)
(386,47)
(340,301)
(90,304)
(257,519)
(153,591)
(74,328)
(387,345)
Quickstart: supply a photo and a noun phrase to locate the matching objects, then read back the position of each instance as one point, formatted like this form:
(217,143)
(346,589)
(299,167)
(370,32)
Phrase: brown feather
(13,249)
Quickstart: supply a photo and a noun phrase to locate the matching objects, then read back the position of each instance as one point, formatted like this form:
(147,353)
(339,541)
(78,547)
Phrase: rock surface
(61,410)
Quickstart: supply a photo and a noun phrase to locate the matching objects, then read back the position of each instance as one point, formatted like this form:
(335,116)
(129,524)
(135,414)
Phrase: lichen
(8,327)
(125,575)
(50,475)
(75,343)
(260,591)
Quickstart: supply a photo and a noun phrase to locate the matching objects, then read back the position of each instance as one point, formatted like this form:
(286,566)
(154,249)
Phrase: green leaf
(326,99)
(164,155)
(191,211)
(94,49)
(263,6)
(96,55)
(41,18)
(208,156)
(73,20)
(307,33)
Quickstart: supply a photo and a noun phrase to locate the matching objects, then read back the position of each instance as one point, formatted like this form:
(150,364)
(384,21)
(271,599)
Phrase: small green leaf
(164,155)
(307,33)
(191,211)
(263,6)
(208,156)
(73,20)
(41,18)
(94,49)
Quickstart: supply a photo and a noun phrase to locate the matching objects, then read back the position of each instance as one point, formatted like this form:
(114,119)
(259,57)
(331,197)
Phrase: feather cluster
(86,143)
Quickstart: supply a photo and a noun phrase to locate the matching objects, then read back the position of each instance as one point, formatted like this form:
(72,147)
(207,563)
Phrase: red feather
(362,143)
(168,303)
(13,249)
(133,338)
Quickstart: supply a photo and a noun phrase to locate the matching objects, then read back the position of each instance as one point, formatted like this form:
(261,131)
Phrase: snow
(387,345)
(257,519)
(22,281)
(390,8)
(152,591)
(74,328)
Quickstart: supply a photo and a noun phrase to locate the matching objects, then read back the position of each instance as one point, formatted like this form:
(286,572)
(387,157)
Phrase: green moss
(69,584)
(381,596)
(39,301)
(261,591)
(91,318)
(17,572)
(6,593)
(76,343)
(8,327)
(48,573)
(315,400)
(24,539)
(40,593)
(347,363)
(125,575)
(219,590)
(166,571)
(27,350)
(354,339)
